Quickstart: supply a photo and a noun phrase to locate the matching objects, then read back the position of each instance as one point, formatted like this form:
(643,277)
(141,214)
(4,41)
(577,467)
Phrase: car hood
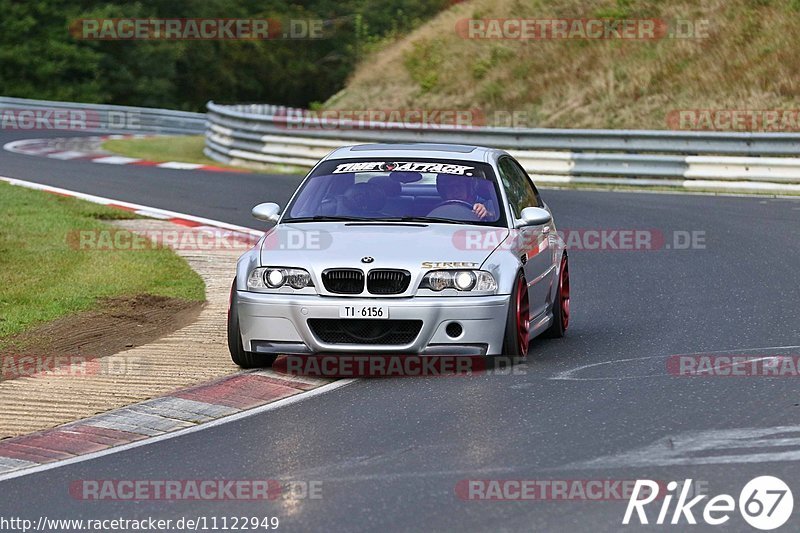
(317,246)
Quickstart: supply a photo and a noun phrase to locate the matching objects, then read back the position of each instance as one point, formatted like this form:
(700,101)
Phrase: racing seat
(361,200)
(339,184)
(396,205)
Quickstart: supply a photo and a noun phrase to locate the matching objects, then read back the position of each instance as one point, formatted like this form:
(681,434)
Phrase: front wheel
(518,321)
(561,303)
(238,354)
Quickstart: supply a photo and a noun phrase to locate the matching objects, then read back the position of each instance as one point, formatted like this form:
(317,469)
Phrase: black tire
(516,341)
(561,303)
(238,355)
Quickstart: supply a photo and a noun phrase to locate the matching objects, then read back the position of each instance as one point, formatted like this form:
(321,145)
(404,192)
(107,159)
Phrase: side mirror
(268,212)
(534,216)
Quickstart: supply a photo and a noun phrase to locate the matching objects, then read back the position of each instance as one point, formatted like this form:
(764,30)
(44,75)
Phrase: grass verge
(723,55)
(43,276)
(185,149)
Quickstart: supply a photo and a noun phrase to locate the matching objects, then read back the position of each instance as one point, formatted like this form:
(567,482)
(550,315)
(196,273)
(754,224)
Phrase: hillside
(748,60)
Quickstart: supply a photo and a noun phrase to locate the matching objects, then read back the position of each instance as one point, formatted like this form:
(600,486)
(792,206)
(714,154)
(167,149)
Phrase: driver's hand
(480,210)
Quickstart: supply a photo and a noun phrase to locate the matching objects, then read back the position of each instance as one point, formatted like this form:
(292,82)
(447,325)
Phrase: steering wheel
(456,202)
(456,210)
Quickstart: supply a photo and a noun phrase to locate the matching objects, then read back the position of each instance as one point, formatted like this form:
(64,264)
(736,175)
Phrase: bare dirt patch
(117,324)
(188,346)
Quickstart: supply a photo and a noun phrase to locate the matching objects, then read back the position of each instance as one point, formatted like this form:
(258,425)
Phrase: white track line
(68,154)
(179,165)
(140,209)
(115,160)
(569,375)
(181,432)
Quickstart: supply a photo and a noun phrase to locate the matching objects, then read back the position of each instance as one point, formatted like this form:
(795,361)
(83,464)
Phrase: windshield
(458,192)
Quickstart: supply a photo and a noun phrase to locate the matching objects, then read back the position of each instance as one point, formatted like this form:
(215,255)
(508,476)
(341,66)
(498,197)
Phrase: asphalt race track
(596,405)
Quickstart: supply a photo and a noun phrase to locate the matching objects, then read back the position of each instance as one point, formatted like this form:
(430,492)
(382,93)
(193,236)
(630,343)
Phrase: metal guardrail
(266,134)
(259,134)
(279,120)
(72,116)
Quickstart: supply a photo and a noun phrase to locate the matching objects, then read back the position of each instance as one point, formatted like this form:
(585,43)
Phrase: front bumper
(278,323)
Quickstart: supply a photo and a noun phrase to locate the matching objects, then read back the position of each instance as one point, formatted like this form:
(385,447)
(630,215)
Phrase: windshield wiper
(422,219)
(336,218)
(325,218)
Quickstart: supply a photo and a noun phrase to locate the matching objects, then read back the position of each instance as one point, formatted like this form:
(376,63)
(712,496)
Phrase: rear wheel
(238,354)
(518,321)
(561,303)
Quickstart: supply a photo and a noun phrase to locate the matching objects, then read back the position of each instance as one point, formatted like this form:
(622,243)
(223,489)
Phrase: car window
(524,175)
(519,187)
(445,190)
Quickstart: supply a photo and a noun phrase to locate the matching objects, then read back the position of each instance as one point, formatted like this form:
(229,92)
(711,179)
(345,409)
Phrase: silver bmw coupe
(424,249)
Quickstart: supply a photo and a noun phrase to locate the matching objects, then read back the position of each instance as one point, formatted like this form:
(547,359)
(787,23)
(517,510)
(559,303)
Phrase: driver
(461,189)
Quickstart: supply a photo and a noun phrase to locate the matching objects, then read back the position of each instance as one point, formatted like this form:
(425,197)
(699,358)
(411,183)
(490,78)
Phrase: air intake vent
(365,331)
(344,281)
(388,281)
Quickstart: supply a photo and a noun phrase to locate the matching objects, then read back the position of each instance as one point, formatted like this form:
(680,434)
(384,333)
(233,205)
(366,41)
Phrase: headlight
(276,277)
(464,280)
(438,280)
(461,280)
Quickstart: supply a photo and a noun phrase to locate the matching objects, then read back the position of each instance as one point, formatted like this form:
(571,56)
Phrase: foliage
(39,58)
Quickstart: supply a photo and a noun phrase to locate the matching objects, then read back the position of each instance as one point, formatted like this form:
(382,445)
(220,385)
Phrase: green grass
(44,277)
(183,148)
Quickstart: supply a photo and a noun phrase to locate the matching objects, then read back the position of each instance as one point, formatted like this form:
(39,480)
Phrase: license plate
(363,311)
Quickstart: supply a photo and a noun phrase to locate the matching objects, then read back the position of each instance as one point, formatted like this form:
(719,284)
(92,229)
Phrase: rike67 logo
(765,503)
